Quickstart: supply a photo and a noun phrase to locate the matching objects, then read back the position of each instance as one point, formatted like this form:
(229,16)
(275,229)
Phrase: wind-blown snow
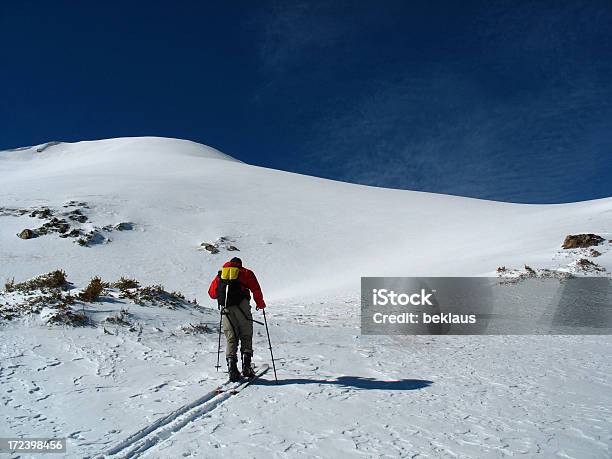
(309,240)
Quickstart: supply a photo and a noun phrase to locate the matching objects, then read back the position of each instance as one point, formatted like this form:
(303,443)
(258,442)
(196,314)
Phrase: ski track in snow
(138,443)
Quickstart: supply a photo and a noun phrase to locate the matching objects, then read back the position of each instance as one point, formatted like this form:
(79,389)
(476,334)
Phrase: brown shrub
(93,291)
(125,283)
(587,265)
(53,280)
(64,316)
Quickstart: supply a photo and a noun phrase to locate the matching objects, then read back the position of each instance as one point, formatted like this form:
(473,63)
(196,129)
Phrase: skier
(231,289)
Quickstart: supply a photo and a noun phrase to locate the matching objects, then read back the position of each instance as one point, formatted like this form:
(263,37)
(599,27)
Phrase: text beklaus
(384,297)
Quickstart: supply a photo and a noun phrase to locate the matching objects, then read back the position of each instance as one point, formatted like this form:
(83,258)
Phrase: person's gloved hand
(260,306)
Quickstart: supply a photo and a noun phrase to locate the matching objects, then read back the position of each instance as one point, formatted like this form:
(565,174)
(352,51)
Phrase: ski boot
(232,366)
(247,368)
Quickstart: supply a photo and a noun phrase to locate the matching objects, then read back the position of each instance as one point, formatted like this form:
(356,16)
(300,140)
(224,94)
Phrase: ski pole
(251,319)
(219,347)
(270,344)
(220,321)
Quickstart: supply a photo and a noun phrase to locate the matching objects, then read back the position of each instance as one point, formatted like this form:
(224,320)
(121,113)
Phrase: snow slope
(302,234)
(309,240)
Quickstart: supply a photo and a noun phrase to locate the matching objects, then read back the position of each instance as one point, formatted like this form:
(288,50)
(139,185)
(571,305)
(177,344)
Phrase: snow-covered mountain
(303,235)
(172,211)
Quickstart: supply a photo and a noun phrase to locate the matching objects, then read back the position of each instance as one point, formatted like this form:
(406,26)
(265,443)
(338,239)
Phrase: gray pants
(237,325)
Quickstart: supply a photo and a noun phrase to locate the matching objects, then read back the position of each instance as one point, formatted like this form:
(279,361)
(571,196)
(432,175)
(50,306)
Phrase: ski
(236,387)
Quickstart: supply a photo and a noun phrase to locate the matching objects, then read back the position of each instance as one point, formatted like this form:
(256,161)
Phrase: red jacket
(247,280)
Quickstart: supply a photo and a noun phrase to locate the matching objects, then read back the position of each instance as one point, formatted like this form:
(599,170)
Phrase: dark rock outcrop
(210,247)
(124,226)
(580,241)
(27,234)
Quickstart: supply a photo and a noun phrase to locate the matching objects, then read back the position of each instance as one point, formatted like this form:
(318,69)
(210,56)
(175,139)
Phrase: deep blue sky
(500,100)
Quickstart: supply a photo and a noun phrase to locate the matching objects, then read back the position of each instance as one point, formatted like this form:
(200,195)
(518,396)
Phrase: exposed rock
(84,240)
(90,238)
(77,216)
(12,212)
(56,225)
(124,226)
(76,204)
(594,253)
(43,213)
(578,241)
(587,265)
(210,247)
(44,146)
(73,233)
(64,226)
(197,328)
(221,243)
(27,234)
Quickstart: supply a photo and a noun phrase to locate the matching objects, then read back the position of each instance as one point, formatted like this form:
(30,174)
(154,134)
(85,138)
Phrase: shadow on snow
(354,382)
